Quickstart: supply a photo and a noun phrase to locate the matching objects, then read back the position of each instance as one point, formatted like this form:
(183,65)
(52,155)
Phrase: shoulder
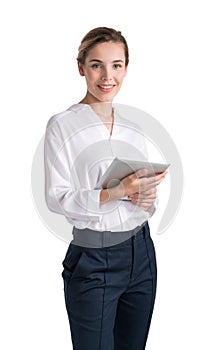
(66,116)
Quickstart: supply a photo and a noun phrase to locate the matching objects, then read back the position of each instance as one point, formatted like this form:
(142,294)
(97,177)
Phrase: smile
(106,88)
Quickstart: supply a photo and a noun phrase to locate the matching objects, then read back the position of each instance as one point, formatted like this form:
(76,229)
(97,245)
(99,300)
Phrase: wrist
(110,194)
(104,196)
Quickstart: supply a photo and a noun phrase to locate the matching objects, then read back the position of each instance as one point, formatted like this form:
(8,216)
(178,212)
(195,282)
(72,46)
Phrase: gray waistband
(100,239)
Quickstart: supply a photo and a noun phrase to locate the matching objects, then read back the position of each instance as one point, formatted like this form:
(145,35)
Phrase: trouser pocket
(71,260)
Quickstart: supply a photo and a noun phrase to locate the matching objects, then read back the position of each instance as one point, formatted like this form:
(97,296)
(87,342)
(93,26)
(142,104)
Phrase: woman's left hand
(144,199)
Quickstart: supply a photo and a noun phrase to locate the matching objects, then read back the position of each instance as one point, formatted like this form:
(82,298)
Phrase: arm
(63,192)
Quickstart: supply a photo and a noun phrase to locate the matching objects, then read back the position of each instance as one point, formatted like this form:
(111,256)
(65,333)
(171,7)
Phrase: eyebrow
(96,60)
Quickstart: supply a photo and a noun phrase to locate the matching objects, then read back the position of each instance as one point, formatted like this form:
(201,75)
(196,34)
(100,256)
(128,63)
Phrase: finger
(142,197)
(141,172)
(147,181)
(162,175)
(159,181)
(148,191)
(147,185)
(150,198)
(159,178)
(145,194)
(143,200)
(144,205)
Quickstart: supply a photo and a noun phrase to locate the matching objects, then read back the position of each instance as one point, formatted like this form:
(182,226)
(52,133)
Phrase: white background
(171,76)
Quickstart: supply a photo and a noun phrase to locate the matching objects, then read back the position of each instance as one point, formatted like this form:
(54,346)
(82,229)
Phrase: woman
(110,266)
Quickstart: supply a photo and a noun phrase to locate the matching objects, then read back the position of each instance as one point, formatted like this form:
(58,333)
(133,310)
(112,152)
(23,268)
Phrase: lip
(106,87)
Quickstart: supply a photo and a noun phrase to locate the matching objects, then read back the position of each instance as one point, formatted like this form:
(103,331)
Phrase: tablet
(120,168)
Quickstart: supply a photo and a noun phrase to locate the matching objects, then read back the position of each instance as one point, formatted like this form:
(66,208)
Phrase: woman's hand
(139,188)
(144,199)
(144,188)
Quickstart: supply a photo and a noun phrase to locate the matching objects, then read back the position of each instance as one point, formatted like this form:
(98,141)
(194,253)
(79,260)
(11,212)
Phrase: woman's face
(104,70)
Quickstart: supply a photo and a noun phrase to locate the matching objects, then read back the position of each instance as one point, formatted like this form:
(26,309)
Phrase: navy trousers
(110,293)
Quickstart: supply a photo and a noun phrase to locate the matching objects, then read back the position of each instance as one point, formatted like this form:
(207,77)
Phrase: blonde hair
(101,35)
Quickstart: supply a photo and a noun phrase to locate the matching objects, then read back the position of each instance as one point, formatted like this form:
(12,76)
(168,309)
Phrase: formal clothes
(110,266)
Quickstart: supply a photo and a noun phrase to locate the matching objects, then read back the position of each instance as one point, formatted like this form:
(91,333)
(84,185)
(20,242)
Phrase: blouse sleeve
(62,191)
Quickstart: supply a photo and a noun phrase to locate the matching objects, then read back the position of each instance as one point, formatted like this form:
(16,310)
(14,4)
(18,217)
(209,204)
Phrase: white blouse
(78,150)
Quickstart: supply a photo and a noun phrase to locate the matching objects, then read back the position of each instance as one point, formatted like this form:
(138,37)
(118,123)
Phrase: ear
(81,70)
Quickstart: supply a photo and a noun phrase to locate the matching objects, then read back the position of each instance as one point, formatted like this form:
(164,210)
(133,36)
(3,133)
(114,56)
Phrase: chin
(107,98)
(103,97)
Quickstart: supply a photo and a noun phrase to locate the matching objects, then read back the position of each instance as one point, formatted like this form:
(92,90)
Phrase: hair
(101,35)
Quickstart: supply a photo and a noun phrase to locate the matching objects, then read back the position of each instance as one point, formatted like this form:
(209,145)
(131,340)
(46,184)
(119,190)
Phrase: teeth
(106,86)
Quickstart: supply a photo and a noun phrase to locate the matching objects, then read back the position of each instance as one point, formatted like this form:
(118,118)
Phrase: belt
(100,239)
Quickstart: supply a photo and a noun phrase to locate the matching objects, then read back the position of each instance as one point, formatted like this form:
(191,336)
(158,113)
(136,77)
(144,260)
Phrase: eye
(117,66)
(96,65)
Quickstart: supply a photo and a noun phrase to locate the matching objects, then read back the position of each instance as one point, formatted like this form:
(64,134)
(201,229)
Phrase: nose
(106,74)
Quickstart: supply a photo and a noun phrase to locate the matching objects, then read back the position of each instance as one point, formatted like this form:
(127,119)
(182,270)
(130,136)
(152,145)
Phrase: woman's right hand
(133,185)
(139,182)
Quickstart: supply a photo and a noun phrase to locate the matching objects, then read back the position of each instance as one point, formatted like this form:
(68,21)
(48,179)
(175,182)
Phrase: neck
(103,109)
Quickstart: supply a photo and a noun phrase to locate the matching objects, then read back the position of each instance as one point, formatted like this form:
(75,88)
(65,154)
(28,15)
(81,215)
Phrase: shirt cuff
(93,201)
